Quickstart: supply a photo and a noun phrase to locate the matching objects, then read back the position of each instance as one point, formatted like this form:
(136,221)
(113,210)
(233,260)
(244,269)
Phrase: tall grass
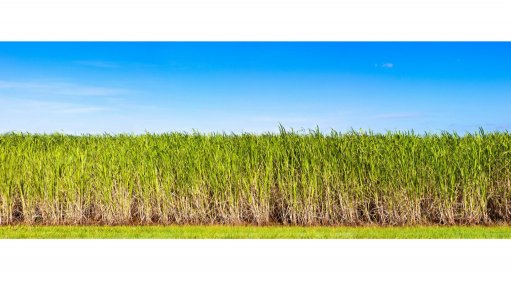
(291,178)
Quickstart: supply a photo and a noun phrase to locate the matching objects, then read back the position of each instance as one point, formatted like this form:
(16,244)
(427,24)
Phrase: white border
(254,262)
(254,20)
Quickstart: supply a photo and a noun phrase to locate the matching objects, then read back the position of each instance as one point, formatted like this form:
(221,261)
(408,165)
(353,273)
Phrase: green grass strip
(250,232)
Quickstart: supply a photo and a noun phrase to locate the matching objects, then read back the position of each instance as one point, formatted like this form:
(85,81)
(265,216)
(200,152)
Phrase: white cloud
(396,116)
(387,65)
(97,64)
(287,120)
(60,88)
(36,107)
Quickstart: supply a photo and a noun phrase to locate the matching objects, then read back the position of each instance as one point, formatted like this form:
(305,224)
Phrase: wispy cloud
(37,107)
(97,64)
(288,120)
(387,65)
(61,88)
(397,116)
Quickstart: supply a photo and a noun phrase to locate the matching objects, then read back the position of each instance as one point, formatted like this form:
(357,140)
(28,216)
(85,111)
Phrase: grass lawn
(251,232)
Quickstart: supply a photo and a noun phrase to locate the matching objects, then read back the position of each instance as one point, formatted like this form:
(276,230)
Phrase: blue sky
(251,87)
